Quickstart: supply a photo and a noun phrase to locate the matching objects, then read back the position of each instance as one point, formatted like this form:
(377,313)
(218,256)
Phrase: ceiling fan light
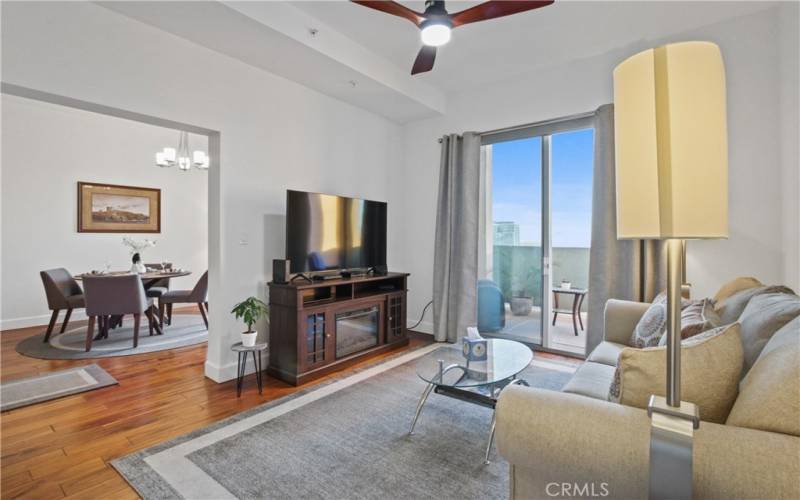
(435,34)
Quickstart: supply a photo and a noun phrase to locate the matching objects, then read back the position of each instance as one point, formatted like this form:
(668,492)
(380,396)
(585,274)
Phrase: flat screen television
(326,232)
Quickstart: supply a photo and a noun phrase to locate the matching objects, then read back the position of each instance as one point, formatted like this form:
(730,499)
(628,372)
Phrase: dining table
(149,278)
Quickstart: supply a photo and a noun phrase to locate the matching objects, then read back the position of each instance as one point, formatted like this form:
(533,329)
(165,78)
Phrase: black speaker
(280,271)
(380,270)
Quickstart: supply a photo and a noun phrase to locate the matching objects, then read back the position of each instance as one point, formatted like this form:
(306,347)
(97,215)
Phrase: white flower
(137,246)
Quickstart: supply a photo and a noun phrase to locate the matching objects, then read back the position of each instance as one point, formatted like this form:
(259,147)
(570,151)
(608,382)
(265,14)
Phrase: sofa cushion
(651,326)
(764,315)
(735,286)
(592,380)
(769,396)
(697,317)
(606,353)
(711,364)
(732,307)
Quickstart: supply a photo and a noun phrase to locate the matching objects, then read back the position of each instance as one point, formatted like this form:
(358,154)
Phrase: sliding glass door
(510,294)
(535,269)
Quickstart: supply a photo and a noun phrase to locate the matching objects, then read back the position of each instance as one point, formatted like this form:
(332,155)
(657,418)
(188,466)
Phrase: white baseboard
(426,326)
(224,373)
(40,320)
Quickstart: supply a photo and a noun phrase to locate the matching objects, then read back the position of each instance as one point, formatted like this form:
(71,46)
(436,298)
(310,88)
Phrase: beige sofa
(576,444)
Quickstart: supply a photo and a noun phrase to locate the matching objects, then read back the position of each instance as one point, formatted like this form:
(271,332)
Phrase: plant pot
(249,338)
(521,306)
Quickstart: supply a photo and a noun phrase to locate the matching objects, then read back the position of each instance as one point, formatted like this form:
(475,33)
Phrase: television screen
(326,232)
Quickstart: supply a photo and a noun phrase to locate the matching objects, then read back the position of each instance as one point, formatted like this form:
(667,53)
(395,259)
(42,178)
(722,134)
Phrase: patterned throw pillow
(699,316)
(711,364)
(653,322)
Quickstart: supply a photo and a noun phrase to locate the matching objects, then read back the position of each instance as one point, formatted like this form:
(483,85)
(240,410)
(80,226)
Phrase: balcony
(517,271)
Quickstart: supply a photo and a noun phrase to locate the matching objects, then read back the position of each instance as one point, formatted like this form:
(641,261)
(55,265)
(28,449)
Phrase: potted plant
(521,300)
(250,311)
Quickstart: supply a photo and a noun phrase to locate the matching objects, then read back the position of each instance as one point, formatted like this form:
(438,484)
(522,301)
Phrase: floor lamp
(671,184)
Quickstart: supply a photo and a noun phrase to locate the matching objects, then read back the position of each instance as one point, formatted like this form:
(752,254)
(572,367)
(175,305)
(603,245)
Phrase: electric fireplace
(356,330)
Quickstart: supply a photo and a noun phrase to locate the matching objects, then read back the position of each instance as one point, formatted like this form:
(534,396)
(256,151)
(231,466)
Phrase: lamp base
(687,411)
(671,432)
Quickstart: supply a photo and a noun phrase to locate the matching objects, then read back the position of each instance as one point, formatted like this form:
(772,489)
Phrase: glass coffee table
(449,373)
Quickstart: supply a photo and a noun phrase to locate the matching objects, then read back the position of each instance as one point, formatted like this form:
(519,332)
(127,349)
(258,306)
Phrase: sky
(517,189)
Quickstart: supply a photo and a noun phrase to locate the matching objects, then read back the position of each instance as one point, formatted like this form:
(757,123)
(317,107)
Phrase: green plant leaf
(250,311)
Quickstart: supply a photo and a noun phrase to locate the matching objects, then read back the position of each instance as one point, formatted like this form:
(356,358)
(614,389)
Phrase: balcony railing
(517,270)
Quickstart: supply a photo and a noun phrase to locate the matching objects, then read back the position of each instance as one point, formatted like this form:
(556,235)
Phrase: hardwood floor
(61,448)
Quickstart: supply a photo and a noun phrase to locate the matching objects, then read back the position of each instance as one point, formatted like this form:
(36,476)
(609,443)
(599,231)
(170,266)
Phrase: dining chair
(159,287)
(108,296)
(197,295)
(62,292)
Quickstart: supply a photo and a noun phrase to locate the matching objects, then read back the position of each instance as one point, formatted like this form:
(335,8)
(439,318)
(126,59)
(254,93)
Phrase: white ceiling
(501,48)
(376,50)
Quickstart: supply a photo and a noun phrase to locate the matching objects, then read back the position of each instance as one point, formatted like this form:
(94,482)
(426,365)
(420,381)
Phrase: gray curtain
(618,269)
(455,260)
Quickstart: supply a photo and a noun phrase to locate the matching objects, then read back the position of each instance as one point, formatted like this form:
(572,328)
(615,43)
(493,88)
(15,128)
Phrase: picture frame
(112,208)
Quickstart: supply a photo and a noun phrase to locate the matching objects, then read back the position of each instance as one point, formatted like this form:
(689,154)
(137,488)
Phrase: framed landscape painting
(108,208)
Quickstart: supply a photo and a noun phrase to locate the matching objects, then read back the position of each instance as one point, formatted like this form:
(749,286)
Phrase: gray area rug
(185,330)
(31,390)
(344,439)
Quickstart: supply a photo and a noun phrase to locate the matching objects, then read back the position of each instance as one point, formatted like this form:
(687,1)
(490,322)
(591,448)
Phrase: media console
(318,327)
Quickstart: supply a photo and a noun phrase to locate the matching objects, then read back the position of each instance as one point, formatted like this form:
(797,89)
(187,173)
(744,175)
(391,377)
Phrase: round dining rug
(185,330)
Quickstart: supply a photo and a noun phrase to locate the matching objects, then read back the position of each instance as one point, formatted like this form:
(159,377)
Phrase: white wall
(789,76)
(275,134)
(759,226)
(47,149)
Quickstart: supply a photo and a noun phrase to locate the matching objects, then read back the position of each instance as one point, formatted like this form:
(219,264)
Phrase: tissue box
(474,350)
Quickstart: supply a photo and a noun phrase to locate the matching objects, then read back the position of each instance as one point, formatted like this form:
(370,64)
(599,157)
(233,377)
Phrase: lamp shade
(671,143)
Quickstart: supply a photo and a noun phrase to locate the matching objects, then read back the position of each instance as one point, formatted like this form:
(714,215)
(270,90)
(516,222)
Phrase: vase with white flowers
(136,248)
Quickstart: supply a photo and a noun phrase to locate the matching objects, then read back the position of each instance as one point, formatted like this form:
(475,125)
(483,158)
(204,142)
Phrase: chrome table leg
(427,392)
(421,403)
(514,381)
(491,438)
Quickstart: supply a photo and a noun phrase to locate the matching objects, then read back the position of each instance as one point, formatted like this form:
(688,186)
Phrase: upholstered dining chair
(108,296)
(160,287)
(63,292)
(197,295)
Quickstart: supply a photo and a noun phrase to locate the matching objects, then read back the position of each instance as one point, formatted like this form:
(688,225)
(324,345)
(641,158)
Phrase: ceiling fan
(435,23)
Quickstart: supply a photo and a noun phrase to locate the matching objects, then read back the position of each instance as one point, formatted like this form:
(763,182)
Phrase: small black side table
(241,363)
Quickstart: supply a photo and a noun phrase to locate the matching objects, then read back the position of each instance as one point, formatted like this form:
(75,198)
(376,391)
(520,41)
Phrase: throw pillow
(769,396)
(697,317)
(735,286)
(731,308)
(711,363)
(651,325)
(764,315)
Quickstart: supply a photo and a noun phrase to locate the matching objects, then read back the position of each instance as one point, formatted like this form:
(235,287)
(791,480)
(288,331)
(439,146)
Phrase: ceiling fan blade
(494,9)
(424,61)
(392,8)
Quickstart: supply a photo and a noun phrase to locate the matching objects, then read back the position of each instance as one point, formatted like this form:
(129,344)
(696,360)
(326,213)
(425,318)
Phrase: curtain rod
(535,124)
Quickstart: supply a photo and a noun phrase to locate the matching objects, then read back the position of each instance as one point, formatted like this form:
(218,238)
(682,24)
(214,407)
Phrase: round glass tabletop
(448,366)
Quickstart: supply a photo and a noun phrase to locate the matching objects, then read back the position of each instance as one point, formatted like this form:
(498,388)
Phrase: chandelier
(170,157)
